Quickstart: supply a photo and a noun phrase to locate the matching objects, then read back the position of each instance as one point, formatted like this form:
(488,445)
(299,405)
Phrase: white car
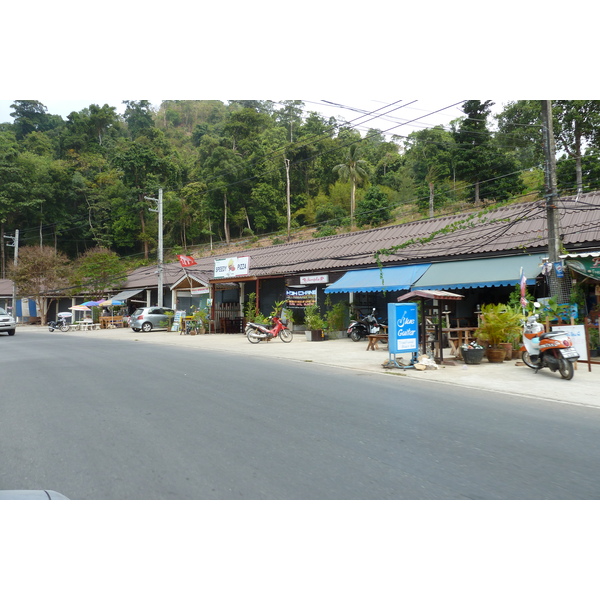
(7,323)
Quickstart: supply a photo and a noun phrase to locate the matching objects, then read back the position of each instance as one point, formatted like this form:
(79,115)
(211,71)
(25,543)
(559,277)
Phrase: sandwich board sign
(403,329)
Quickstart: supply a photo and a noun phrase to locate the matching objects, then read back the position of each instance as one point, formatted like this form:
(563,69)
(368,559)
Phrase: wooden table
(457,336)
(374,339)
(115,321)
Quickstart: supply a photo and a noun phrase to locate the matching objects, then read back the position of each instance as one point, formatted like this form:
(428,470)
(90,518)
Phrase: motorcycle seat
(551,334)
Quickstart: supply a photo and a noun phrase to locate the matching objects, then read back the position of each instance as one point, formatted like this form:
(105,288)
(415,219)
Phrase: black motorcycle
(62,323)
(361,328)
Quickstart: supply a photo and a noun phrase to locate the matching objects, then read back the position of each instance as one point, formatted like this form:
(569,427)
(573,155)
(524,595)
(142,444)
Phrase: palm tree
(354,170)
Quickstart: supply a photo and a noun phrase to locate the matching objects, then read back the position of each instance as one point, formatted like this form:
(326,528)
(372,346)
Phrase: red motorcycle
(257,333)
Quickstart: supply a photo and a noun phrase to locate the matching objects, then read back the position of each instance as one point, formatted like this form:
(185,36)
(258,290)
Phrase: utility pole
(159,210)
(551,197)
(15,245)
(289,208)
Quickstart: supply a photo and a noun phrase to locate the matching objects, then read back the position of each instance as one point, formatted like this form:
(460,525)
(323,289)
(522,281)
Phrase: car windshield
(3,312)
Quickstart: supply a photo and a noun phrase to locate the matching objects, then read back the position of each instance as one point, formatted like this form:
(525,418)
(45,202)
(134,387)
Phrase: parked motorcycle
(257,333)
(553,350)
(62,323)
(361,328)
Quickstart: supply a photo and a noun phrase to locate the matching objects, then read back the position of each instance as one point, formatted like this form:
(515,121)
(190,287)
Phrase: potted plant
(251,312)
(201,317)
(594,334)
(499,323)
(335,319)
(315,325)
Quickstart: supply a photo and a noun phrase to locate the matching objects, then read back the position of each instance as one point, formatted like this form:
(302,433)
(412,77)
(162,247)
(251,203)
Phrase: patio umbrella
(79,307)
(111,303)
(93,302)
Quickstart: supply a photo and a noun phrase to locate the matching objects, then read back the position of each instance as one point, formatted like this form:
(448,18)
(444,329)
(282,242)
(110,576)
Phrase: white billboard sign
(234,266)
(310,279)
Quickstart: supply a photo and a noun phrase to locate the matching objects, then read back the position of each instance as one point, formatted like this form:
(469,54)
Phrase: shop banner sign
(199,291)
(310,279)
(403,328)
(300,298)
(234,266)
(586,265)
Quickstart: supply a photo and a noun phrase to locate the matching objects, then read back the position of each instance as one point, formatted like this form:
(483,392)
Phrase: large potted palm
(499,324)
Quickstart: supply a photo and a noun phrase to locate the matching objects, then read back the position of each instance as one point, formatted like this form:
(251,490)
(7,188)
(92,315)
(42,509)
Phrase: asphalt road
(101,419)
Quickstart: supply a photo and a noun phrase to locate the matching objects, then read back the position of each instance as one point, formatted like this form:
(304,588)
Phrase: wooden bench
(374,340)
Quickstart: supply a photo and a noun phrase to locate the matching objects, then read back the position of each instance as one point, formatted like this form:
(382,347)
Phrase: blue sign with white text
(403,328)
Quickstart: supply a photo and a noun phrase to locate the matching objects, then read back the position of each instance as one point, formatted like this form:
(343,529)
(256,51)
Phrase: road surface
(101,419)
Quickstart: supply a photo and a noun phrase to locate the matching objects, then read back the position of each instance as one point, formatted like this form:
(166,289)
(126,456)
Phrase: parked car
(31,495)
(149,318)
(7,323)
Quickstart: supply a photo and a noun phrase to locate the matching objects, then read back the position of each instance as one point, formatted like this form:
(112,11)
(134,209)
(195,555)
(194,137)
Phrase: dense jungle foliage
(230,169)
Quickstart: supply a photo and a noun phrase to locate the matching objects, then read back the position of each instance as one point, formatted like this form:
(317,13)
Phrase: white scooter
(553,350)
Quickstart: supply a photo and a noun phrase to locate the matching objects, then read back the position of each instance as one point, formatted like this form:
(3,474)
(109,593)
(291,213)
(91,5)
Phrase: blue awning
(378,280)
(484,272)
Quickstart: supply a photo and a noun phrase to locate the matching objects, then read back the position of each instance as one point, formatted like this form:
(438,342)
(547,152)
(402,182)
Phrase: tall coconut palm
(355,170)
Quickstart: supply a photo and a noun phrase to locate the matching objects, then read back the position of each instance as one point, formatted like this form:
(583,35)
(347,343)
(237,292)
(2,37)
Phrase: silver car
(7,323)
(149,318)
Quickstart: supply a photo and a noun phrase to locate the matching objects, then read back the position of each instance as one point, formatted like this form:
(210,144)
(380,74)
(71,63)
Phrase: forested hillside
(249,168)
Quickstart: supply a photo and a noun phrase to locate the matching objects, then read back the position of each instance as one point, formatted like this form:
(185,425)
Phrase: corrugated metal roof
(507,230)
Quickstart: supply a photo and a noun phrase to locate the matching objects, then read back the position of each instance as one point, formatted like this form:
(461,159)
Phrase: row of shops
(478,281)
(483,263)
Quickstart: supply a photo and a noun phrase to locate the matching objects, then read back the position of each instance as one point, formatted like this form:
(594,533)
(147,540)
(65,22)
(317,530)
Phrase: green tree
(290,116)
(139,117)
(355,170)
(102,119)
(520,132)
(374,208)
(479,161)
(97,271)
(41,271)
(429,155)
(578,125)
(30,116)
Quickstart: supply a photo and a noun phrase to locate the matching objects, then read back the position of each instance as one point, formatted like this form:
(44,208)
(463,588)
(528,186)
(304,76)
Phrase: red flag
(186,261)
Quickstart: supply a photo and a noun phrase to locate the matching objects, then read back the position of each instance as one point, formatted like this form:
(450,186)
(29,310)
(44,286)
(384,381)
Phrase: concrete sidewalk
(506,377)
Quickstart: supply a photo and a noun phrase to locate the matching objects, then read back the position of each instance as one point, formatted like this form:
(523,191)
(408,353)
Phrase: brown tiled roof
(501,231)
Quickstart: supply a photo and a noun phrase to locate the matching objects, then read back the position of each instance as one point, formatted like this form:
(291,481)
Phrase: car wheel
(12,331)
(146,327)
